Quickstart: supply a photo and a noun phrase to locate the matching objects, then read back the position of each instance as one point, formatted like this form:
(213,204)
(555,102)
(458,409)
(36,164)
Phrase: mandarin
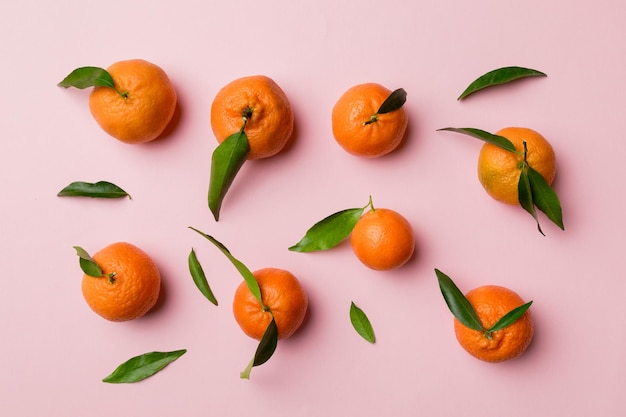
(491,303)
(259,106)
(131,287)
(140,106)
(383,239)
(499,170)
(358,127)
(282,293)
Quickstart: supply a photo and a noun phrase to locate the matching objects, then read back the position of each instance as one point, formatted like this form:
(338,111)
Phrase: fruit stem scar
(111,277)
(487,334)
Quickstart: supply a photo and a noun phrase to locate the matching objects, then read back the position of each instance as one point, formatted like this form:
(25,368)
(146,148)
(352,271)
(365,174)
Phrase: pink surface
(56,351)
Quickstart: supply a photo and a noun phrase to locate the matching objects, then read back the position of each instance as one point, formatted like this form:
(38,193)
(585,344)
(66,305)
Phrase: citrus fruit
(282,293)
(132,288)
(359,129)
(491,302)
(140,106)
(269,120)
(382,239)
(499,170)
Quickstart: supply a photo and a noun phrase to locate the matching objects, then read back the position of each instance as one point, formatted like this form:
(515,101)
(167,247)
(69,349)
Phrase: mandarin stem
(372,119)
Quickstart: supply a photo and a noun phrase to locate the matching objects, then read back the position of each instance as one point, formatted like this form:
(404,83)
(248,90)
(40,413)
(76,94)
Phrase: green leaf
(142,366)
(361,323)
(265,350)
(510,317)
(199,278)
(392,103)
(247,275)
(329,232)
(87,264)
(497,140)
(226,161)
(545,198)
(100,189)
(85,77)
(499,76)
(458,304)
(525,195)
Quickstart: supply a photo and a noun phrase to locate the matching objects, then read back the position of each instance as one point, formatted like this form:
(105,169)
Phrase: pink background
(56,351)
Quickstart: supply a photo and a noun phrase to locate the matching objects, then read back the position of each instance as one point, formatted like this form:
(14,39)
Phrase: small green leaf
(525,195)
(143,366)
(100,189)
(265,350)
(329,232)
(545,198)
(510,317)
(499,76)
(392,103)
(226,161)
(85,77)
(247,275)
(199,278)
(87,264)
(497,140)
(458,304)
(361,323)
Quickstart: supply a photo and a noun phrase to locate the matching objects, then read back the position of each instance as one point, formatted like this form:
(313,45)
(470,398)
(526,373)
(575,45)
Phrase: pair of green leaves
(100,189)
(331,230)
(90,267)
(269,340)
(85,77)
(533,190)
(462,309)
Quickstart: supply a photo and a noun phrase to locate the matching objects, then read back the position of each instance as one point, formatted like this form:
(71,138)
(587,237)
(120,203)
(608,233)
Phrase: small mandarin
(383,239)
(269,119)
(282,293)
(359,129)
(132,290)
(140,106)
(499,170)
(491,303)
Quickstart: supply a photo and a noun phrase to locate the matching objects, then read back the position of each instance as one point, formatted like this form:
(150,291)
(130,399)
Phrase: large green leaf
(525,195)
(199,278)
(143,366)
(85,77)
(545,198)
(329,232)
(499,76)
(510,317)
(226,161)
(100,189)
(497,140)
(394,102)
(458,304)
(361,323)
(265,349)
